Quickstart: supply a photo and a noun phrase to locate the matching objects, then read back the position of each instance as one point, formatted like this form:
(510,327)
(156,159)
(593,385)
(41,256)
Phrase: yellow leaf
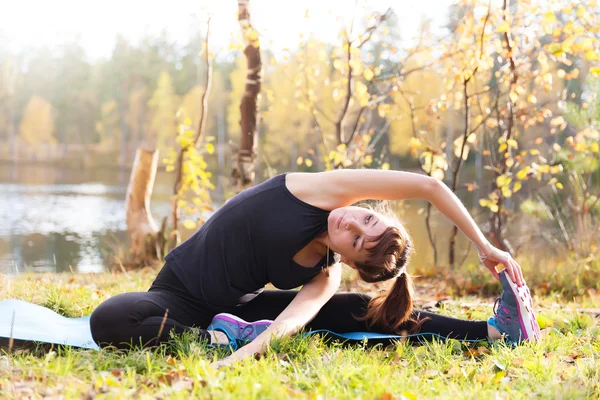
(385,166)
(543,169)
(522,174)
(185,141)
(414,144)
(368,74)
(438,174)
(503,27)
(500,374)
(484,202)
(534,152)
(517,186)
(510,162)
(544,322)
(337,64)
(514,97)
(549,18)
(299,160)
(253,35)
(360,88)
(591,55)
(439,161)
(506,192)
(210,148)
(494,208)
(409,395)
(502,147)
(532,99)
(187,121)
(189,224)
(595,71)
(595,147)
(559,185)
(555,49)
(513,143)
(170,168)
(503,180)
(308,162)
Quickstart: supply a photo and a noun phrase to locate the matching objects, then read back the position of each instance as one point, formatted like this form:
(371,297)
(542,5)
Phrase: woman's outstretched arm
(305,306)
(344,187)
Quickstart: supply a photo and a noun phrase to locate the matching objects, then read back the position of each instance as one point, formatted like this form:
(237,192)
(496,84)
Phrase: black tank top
(250,242)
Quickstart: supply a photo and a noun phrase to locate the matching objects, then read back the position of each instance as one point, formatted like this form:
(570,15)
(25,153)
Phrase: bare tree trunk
(140,225)
(243,172)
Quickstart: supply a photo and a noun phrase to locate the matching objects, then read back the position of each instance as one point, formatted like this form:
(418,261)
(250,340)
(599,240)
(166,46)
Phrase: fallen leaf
(498,377)
(517,362)
(482,378)
(499,365)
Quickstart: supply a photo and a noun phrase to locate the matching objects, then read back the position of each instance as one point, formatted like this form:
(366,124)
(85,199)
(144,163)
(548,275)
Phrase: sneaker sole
(527,319)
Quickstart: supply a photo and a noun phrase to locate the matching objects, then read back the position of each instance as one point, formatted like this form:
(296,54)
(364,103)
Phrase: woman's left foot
(237,330)
(514,316)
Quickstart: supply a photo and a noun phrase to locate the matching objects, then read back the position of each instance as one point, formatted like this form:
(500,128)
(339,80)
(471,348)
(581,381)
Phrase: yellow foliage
(37,125)
(163,104)
(420,95)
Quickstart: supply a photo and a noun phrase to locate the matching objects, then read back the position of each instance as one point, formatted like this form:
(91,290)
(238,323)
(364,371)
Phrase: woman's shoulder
(315,189)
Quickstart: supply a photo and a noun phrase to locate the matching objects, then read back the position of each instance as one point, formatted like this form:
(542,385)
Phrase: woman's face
(349,229)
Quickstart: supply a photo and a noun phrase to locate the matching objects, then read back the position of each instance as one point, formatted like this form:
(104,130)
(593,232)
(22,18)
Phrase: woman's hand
(493,256)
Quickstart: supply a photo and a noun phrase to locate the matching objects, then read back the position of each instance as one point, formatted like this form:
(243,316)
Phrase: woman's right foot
(514,316)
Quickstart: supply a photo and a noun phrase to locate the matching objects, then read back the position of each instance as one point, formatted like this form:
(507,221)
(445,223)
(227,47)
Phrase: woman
(288,231)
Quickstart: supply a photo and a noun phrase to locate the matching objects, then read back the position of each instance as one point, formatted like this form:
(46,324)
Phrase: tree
(108,127)
(138,116)
(37,125)
(163,105)
(243,165)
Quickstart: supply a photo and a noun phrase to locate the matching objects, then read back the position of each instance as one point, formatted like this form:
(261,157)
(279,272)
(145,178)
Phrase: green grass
(564,364)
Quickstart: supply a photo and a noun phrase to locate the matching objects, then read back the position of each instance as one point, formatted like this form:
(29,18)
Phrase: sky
(32,23)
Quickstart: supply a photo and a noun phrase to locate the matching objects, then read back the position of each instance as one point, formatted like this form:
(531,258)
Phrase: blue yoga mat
(24,321)
(29,322)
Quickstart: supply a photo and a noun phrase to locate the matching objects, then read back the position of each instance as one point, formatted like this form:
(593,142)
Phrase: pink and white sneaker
(514,315)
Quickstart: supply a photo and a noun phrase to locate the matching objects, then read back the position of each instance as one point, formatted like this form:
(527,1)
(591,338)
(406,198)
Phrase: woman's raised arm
(340,188)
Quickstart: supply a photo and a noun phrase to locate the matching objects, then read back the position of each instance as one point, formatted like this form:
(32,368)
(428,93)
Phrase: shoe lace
(497,305)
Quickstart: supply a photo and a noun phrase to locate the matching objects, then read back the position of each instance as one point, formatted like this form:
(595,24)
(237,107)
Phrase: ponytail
(392,311)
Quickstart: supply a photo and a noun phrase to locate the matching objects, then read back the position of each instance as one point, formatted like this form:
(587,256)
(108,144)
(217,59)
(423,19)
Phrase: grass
(564,364)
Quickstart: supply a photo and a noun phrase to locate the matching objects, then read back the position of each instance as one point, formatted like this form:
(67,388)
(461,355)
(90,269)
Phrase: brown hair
(390,311)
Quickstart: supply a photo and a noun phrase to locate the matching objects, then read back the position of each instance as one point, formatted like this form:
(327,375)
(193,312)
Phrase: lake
(55,219)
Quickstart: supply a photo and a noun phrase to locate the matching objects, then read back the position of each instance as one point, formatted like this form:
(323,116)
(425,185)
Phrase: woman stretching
(294,230)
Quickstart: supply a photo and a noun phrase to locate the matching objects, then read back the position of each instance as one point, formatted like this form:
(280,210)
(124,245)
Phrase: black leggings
(146,318)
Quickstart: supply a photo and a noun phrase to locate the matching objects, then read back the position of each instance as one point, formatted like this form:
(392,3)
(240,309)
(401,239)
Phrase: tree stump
(143,230)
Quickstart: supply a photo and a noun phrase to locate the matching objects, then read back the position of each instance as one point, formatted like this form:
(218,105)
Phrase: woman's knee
(111,317)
